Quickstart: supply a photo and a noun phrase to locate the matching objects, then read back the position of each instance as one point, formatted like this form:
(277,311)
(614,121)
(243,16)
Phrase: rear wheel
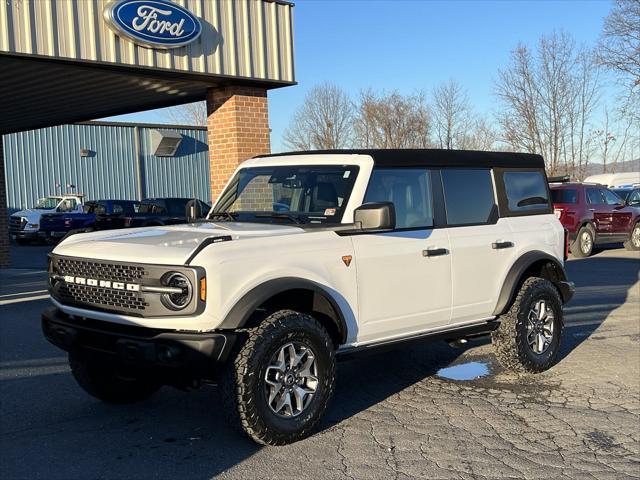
(633,243)
(583,245)
(108,383)
(281,380)
(528,338)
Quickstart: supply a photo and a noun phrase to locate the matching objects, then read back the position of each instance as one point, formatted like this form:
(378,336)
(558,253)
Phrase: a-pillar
(238,129)
(4,232)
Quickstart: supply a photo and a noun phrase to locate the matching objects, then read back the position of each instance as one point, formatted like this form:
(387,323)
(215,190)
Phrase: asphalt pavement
(392,416)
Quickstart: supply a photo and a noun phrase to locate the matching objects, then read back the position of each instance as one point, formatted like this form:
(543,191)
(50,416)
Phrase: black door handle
(434,252)
(499,245)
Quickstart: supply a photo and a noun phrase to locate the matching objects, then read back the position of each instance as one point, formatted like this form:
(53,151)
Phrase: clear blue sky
(414,45)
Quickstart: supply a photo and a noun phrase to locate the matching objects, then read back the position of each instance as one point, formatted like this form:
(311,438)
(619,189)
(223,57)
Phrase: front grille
(16,224)
(106,297)
(100,270)
(131,302)
(111,286)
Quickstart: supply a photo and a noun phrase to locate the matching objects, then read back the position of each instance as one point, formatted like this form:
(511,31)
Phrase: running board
(467,331)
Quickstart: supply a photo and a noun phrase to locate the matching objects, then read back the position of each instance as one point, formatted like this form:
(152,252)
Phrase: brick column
(4,232)
(238,128)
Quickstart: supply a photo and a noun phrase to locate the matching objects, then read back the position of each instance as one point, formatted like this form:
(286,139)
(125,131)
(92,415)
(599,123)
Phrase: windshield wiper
(226,215)
(284,216)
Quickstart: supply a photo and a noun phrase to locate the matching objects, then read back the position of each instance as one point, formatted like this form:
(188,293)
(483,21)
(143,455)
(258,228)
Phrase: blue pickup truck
(96,215)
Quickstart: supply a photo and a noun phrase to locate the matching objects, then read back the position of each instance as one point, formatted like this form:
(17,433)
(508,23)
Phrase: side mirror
(375,217)
(193,210)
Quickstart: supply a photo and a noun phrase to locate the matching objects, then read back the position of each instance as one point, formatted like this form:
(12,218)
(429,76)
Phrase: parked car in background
(594,215)
(163,211)
(631,195)
(25,224)
(615,180)
(96,215)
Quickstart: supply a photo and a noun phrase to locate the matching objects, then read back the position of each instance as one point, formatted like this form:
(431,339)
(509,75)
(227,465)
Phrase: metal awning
(37,92)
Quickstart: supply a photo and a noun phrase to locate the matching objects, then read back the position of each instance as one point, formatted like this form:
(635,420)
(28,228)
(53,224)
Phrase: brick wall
(4,233)
(238,128)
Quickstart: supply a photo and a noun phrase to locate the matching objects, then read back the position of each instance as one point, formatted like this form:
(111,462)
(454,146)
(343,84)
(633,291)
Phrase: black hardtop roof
(434,157)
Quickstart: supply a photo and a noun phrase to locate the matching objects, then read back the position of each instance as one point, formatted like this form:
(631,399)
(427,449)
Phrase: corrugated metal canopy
(39,92)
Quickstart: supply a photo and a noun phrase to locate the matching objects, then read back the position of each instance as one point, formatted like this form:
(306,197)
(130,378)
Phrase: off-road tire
(243,388)
(510,338)
(104,382)
(629,243)
(576,246)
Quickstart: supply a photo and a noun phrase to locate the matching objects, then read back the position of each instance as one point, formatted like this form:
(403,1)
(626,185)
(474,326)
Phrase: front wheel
(528,337)
(279,384)
(633,243)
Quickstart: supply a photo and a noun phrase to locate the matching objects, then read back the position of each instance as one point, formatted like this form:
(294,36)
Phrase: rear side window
(564,195)
(469,197)
(525,191)
(594,197)
(410,192)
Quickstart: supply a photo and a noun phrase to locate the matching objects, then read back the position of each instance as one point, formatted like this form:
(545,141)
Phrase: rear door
(404,276)
(482,244)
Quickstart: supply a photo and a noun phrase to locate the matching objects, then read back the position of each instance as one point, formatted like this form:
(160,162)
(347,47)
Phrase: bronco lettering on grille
(94,282)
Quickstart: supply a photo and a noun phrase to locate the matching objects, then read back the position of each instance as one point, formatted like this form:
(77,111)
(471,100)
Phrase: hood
(162,245)
(31,213)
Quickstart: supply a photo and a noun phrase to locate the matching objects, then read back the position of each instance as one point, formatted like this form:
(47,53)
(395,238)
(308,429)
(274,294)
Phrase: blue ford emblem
(155,23)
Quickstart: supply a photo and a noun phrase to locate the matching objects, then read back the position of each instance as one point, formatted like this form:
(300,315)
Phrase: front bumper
(24,234)
(199,354)
(567,289)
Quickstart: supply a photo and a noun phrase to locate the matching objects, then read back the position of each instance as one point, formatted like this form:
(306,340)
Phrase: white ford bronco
(306,257)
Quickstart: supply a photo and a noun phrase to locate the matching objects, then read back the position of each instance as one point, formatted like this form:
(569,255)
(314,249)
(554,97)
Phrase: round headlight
(183,294)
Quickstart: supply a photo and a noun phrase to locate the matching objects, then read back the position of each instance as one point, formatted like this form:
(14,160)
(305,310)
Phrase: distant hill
(628,166)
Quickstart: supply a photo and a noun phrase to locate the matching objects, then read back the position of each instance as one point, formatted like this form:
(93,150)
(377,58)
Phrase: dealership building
(66,62)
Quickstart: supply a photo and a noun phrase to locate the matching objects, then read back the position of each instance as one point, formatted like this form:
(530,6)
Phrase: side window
(525,191)
(634,198)
(99,209)
(611,198)
(117,209)
(409,189)
(468,196)
(594,197)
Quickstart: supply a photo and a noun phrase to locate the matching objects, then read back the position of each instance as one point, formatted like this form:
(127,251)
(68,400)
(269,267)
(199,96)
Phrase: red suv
(594,215)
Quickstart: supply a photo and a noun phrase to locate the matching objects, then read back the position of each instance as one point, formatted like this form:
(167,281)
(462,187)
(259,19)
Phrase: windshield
(298,194)
(48,203)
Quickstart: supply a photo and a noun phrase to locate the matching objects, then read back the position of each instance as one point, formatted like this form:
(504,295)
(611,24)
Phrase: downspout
(140,187)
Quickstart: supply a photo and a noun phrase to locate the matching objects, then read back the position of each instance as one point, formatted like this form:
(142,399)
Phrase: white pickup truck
(25,224)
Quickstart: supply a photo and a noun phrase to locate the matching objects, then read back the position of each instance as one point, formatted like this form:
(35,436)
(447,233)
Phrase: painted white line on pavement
(22,293)
(25,299)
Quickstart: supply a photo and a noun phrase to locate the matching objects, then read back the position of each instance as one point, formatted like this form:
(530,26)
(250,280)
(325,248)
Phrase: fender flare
(239,314)
(513,279)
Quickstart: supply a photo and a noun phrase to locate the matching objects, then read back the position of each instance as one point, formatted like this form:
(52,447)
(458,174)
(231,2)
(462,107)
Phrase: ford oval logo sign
(154,23)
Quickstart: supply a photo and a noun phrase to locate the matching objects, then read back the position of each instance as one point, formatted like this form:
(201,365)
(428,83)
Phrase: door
(404,276)
(482,245)
(620,213)
(602,213)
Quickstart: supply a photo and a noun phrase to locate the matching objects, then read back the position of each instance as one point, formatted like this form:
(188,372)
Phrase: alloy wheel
(291,379)
(586,242)
(635,236)
(540,327)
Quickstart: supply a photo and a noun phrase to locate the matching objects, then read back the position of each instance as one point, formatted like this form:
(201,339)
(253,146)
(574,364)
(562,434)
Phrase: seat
(323,196)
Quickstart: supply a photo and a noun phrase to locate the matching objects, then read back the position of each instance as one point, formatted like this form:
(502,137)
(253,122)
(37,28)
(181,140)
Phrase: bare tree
(391,120)
(451,114)
(188,114)
(479,135)
(619,47)
(323,122)
(548,99)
